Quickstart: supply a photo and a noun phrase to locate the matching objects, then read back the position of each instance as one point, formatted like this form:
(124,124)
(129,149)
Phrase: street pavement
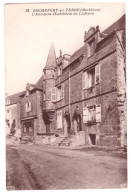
(34,167)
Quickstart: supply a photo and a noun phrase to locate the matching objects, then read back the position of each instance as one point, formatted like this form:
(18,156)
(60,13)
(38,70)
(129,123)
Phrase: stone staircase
(62,141)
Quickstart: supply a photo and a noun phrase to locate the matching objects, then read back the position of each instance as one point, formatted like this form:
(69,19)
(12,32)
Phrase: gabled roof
(33,87)
(118,25)
(14,98)
(51,60)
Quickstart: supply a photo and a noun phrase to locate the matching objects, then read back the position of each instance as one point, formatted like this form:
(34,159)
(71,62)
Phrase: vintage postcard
(65,70)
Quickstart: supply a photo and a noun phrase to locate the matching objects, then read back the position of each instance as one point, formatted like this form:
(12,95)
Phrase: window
(59,119)
(91,47)
(57,93)
(28,106)
(28,127)
(92,114)
(91,77)
(97,74)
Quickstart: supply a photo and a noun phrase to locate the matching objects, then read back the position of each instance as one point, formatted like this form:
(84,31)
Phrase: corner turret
(48,83)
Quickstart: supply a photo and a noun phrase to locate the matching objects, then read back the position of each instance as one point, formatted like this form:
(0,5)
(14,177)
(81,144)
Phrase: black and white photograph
(65,96)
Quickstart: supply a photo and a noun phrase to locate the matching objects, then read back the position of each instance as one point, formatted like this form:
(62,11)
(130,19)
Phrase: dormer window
(28,106)
(91,47)
(91,38)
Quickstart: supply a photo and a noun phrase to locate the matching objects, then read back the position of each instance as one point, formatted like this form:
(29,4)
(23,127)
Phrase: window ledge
(93,86)
(59,100)
(89,123)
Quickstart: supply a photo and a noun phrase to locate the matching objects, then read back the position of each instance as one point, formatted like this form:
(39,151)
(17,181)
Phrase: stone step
(62,141)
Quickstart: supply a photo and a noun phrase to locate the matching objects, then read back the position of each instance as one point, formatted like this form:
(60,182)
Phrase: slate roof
(17,96)
(118,25)
(14,98)
(51,60)
(78,53)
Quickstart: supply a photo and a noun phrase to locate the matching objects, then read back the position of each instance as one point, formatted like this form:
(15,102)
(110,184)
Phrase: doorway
(67,124)
(93,139)
(77,123)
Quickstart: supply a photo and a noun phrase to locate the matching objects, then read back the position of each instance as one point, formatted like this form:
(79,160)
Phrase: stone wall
(108,131)
(41,125)
(33,99)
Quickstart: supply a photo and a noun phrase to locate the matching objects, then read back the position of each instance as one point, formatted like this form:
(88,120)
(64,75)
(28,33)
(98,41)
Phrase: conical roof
(51,60)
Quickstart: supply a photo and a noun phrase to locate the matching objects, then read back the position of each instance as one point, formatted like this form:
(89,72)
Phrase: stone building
(82,97)
(12,111)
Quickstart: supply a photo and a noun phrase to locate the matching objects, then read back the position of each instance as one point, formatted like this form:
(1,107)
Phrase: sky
(28,38)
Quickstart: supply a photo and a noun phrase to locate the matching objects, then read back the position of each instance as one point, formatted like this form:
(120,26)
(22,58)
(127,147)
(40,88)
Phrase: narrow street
(33,167)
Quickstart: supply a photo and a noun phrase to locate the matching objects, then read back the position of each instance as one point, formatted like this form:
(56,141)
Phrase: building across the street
(80,99)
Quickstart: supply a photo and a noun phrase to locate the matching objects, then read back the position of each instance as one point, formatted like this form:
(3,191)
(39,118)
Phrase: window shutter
(59,119)
(53,94)
(84,80)
(29,108)
(98,113)
(62,91)
(58,94)
(89,80)
(85,115)
(97,74)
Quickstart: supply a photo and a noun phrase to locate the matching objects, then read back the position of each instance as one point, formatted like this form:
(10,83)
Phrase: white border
(2,102)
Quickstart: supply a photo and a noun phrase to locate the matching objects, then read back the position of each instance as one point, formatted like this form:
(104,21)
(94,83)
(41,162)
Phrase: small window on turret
(59,71)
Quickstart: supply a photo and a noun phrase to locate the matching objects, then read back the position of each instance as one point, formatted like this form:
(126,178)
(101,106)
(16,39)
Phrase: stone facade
(33,116)
(107,51)
(80,96)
